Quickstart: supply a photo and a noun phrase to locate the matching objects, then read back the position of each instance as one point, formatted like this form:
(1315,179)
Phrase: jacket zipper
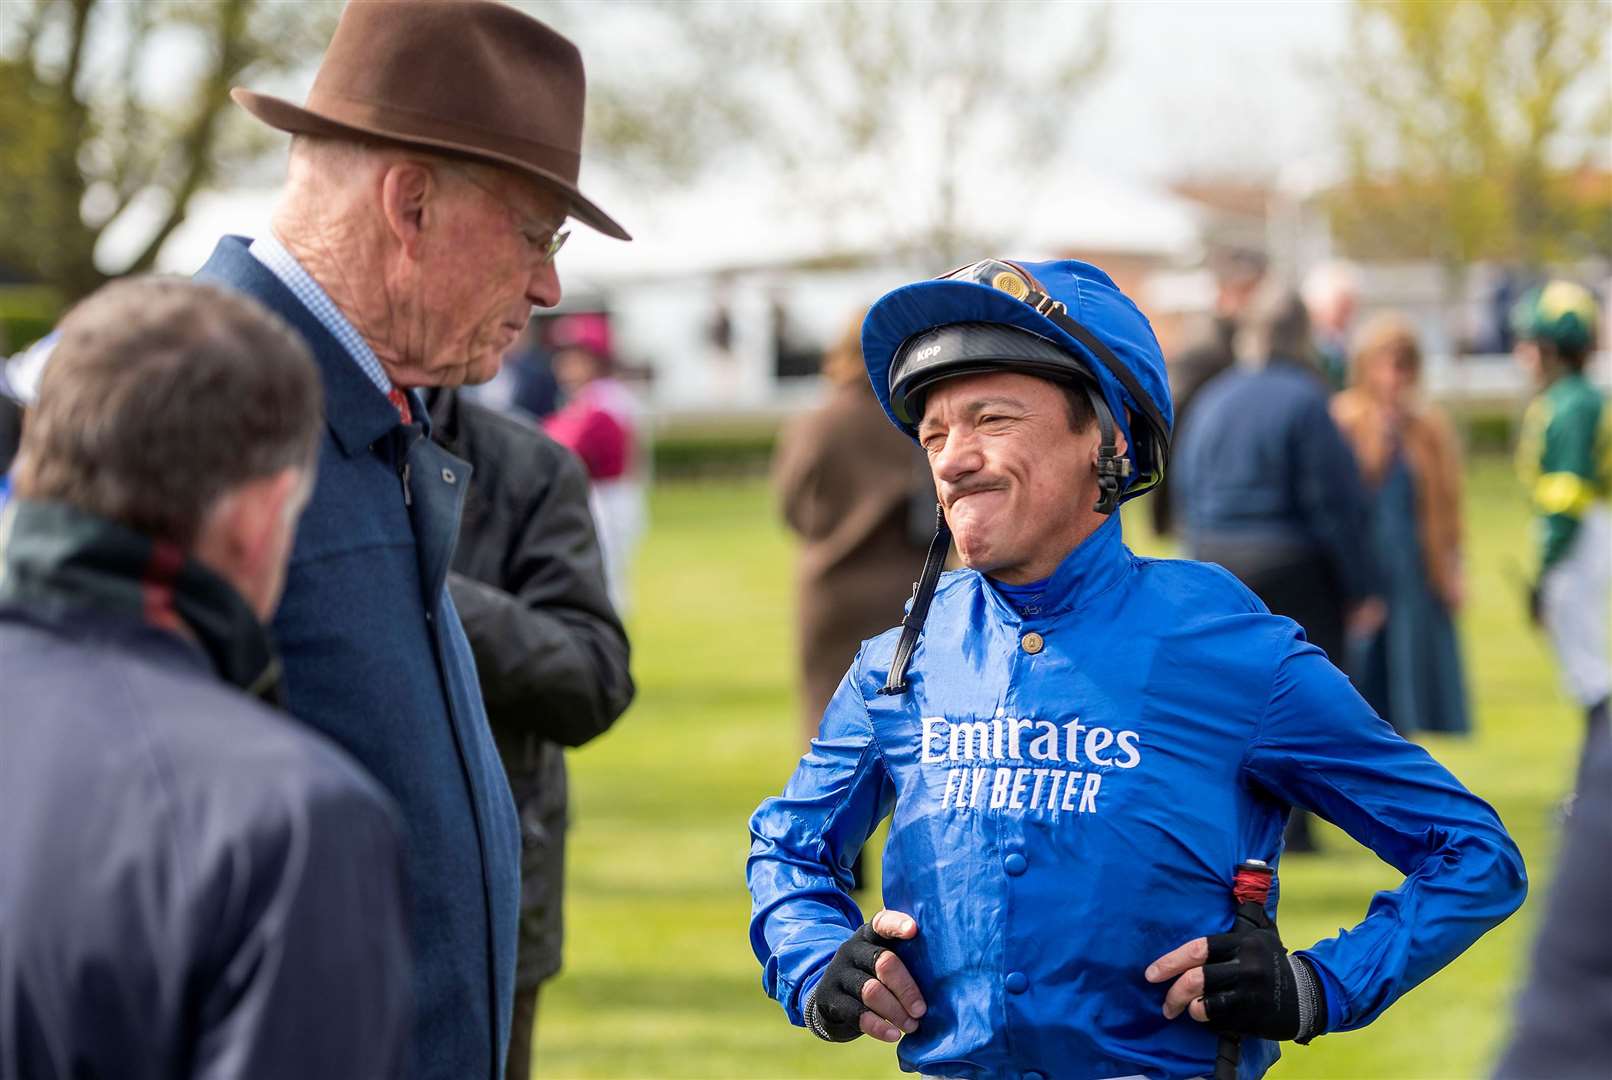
(408,500)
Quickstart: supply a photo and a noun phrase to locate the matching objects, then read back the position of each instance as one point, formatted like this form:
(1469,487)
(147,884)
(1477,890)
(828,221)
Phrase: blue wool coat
(376,659)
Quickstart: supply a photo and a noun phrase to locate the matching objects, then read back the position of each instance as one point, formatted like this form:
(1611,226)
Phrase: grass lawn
(659,978)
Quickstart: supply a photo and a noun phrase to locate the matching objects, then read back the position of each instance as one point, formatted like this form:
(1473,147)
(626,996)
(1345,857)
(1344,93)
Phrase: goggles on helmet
(1010,278)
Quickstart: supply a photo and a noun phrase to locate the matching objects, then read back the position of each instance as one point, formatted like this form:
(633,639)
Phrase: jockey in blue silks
(1077,747)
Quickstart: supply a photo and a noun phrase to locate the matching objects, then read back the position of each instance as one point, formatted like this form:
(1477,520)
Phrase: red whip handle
(1250,884)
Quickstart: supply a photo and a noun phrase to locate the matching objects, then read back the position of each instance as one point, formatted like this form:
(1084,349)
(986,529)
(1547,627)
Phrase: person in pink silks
(599,423)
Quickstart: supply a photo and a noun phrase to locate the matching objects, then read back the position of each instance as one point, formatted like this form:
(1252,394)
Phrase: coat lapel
(357,413)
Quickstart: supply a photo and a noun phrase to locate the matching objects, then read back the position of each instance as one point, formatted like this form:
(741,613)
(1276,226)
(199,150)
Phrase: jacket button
(447,476)
(1015,864)
(1033,642)
(1016,982)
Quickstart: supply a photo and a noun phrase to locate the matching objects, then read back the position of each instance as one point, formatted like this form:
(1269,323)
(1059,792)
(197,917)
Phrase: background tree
(1476,129)
(856,113)
(116,113)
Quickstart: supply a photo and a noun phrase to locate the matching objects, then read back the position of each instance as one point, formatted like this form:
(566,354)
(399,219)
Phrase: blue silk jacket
(1074,774)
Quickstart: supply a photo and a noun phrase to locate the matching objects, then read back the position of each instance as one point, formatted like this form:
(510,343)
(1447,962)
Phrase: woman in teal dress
(1410,670)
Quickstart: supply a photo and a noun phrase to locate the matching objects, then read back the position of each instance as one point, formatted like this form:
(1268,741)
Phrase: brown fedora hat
(468,77)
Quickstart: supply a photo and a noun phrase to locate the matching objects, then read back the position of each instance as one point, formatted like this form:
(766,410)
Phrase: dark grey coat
(186,876)
(551,654)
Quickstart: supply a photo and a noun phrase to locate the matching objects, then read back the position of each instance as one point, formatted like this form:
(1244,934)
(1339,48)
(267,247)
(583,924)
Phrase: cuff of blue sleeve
(804,994)
(1331,988)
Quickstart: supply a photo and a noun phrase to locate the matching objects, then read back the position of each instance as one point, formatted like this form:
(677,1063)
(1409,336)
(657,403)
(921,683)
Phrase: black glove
(834,1010)
(1251,986)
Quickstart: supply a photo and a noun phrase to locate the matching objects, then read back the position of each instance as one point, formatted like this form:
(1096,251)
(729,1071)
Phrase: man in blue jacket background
(1278,500)
(1081,746)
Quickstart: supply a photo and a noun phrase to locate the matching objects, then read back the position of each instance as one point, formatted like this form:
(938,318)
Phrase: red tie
(400,402)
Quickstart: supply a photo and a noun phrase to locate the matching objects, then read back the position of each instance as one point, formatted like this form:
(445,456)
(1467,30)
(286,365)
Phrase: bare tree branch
(82,145)
(197,141)
(130,172)
(75,50)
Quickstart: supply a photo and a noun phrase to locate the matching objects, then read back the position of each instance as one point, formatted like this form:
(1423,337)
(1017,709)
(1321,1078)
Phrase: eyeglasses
(538,239)
(549,247)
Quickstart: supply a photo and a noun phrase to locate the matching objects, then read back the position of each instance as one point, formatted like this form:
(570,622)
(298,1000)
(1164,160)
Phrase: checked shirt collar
(268,250)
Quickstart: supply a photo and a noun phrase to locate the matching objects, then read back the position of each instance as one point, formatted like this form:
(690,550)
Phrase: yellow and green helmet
(1560,312)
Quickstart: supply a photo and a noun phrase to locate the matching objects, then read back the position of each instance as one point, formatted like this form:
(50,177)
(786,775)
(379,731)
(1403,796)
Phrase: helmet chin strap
(912,624)
(1112,469)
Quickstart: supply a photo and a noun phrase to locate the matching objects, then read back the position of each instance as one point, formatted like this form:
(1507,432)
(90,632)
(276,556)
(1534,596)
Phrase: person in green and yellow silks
(1565,458)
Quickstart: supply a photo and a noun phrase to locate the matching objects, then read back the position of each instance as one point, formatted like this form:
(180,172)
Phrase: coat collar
(357,413)
(1096,564)
(58,562)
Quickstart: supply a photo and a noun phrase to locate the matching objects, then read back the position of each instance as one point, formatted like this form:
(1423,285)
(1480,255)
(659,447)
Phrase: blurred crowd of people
(1342,505)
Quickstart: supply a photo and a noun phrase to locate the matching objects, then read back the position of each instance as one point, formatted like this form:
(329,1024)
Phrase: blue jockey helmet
(1063,320)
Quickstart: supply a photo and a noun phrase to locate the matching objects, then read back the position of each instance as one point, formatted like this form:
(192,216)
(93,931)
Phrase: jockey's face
(1016,480)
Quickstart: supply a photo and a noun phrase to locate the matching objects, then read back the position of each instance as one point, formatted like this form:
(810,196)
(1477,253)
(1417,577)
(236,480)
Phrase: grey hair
(343,156)
(332,152)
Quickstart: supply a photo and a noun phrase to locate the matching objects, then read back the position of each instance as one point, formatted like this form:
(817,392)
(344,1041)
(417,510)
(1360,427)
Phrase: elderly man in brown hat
(431,173)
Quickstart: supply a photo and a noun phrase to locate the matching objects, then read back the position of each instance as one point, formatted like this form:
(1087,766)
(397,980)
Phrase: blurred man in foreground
(1564,1014)
(1565,457)
(1078,747)
(551,655)
(431,174)
(191,883)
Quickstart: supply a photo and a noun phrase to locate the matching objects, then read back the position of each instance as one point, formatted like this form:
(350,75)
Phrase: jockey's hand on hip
(866,989)
(1243,983)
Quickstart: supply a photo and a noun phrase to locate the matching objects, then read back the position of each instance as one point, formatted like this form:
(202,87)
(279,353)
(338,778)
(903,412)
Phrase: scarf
(57,560)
